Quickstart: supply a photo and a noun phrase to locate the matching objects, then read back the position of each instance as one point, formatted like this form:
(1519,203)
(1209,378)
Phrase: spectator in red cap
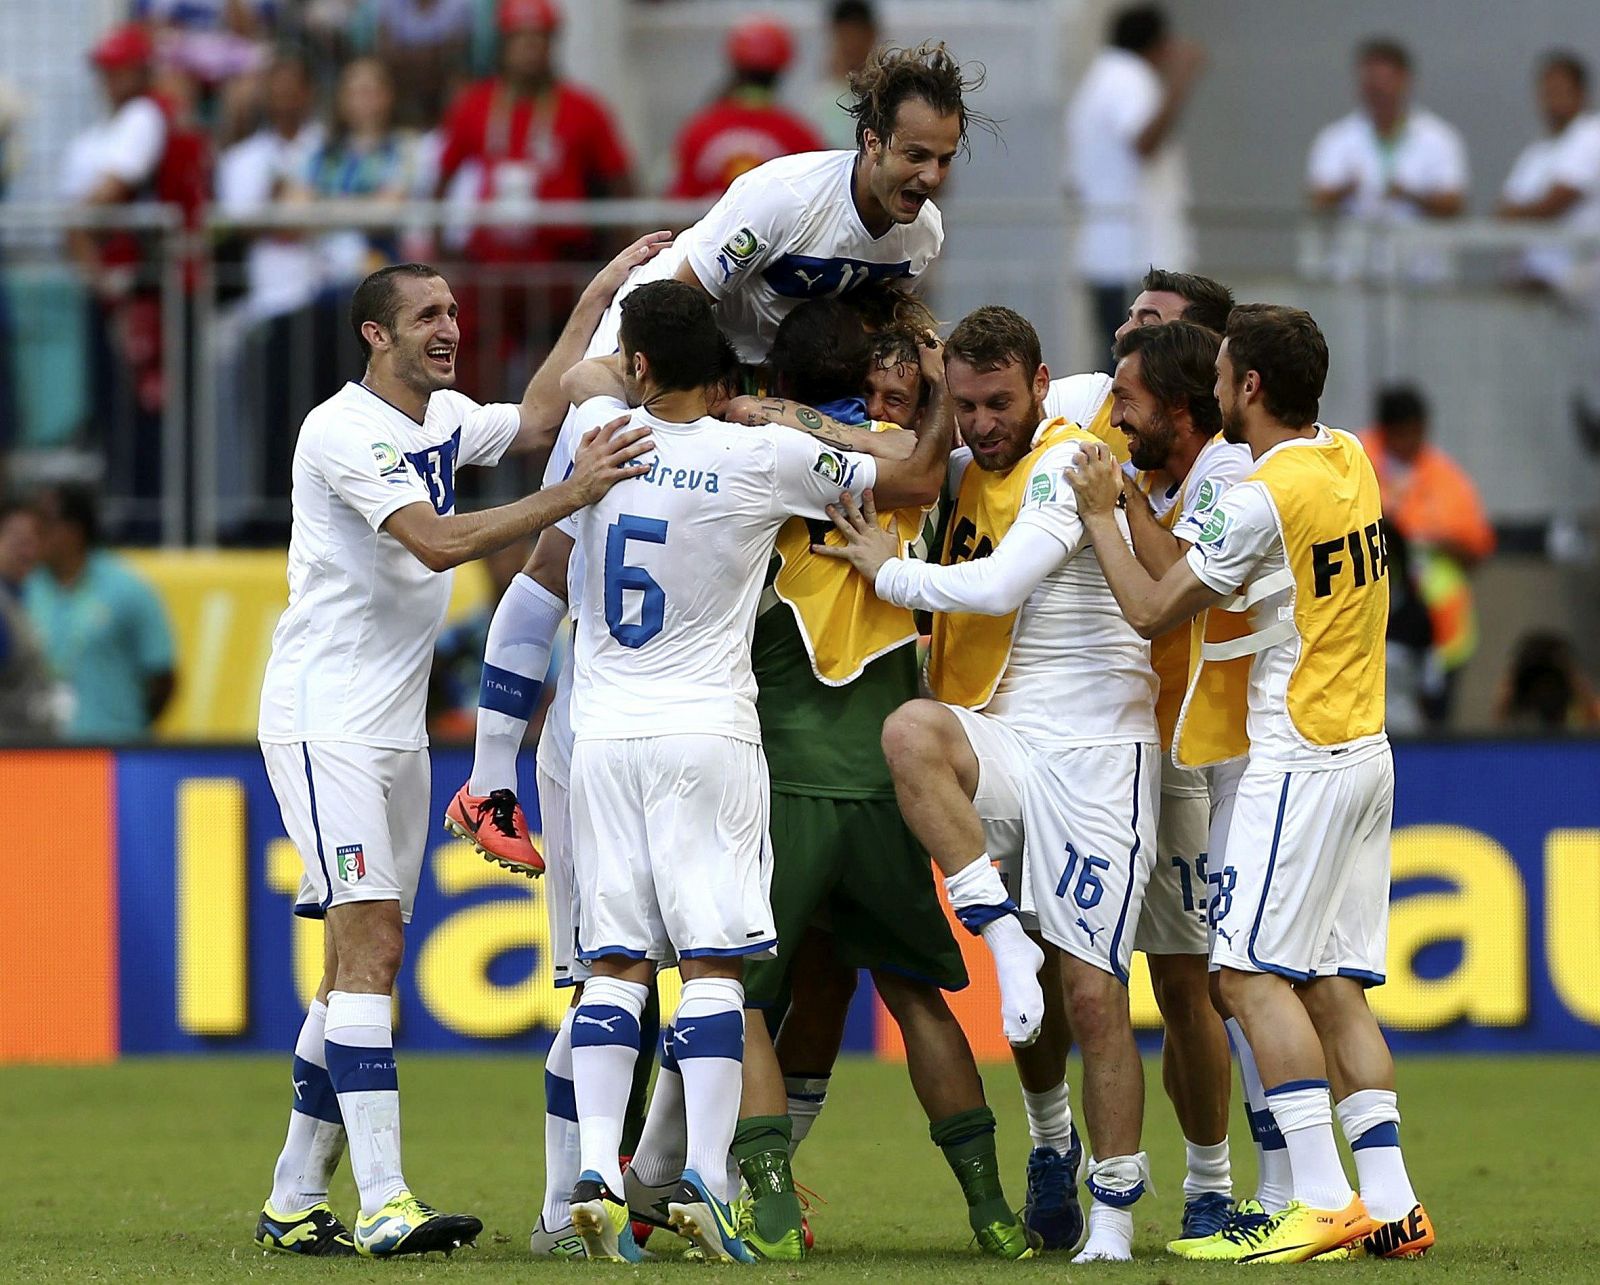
(745,126)
(526,134)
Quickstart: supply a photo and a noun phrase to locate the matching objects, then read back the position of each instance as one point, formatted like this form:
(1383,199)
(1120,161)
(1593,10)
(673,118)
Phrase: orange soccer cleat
(495,825)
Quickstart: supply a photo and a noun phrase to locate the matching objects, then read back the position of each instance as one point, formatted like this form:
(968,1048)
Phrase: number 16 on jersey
(621,578)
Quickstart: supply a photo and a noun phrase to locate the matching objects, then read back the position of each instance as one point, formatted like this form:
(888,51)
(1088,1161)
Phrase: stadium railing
(195,449)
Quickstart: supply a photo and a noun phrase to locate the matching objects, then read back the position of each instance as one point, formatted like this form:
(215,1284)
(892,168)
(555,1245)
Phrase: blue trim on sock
(316,827)
(361,1070)
(669,1058)
(560,1097)
(1115,949)
(713,1035)
(1386,1134)
(1294,1086)
(313,1092)
(514,695)
(603,1025)
(975,918)
(1264,1129)
(1116,1199)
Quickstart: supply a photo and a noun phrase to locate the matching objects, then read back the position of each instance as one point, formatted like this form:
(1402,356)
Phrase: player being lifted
(670,826)
(799,227)
(1040,746)
(374,536)
(1300,907)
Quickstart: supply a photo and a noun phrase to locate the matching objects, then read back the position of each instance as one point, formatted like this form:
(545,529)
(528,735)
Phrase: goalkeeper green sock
(761,1146)
(967,1140)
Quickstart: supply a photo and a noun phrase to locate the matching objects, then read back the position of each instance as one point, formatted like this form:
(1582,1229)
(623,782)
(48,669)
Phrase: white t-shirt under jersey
(673,565)
(784,232)
(1242,543)
(1078,673)
(351,653)
(1077,397)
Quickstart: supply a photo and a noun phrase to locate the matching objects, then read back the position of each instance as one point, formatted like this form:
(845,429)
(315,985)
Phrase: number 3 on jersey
(621,578)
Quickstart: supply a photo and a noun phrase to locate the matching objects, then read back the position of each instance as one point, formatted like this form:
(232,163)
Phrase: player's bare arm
(1151,606)
(753,412)
(596,377)
(604,458)
(1155,546)
(918,479)
(690,277)
(544,403)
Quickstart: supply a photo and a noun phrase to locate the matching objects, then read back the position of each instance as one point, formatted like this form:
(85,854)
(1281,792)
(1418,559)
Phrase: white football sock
(605,1045)
(1208,1169)
(316,1129)
(1274,1178)
(708,1041)
(1304,1114)
(980,901)
(1371,1122)
(1115,1183)
(560,1128)
(663,1145)
(1050,1117)
(516,658)
(359,1047)
(807,1095)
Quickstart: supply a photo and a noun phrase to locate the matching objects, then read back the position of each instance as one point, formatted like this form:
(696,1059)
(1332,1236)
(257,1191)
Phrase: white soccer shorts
(359,817)
(1302,887)
(1173,921)
(671,849)
(560,884)
(1074,833)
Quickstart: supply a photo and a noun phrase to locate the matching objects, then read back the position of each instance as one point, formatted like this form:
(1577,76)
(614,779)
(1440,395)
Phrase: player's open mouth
(986,446)
(442,354)
(913,200)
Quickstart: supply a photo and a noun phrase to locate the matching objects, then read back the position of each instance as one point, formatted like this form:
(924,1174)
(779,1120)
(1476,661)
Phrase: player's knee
(908,1000)
(1214,985)
(1183,996)
(912,736)
(1097,1004)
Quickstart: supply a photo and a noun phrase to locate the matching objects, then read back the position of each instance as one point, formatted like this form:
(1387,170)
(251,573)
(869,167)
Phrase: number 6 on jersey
(621,578)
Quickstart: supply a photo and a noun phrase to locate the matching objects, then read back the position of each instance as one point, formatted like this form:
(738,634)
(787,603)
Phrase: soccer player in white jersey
(1194,1050)
(669,786)
(798,227)
(1301,907)
(374,536)
(1163,402)
(1064,750)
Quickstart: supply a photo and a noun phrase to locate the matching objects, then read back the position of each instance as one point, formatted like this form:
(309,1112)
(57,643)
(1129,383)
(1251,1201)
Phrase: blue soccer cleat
(1052,1211)
(1205,1215)
(713,1228)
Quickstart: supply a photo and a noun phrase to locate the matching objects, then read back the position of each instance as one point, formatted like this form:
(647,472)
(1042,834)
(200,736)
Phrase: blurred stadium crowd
(234,106)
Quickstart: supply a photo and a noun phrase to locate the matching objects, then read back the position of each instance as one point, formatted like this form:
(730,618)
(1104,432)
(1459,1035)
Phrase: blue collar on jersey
(847,410)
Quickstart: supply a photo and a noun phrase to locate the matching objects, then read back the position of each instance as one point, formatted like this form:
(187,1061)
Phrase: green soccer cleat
(1011,1241)
(407,1226)
(790,1247)
(314,1232)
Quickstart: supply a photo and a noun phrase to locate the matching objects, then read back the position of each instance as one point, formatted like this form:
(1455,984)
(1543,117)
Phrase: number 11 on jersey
(622,578)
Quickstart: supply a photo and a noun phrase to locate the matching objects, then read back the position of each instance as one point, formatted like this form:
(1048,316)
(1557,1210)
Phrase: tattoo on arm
(808,418)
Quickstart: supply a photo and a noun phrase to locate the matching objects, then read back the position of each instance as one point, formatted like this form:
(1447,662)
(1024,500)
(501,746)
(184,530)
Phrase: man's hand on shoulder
(605,457)
(611,277)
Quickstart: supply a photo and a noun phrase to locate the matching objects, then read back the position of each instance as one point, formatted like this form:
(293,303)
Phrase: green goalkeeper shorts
(852,868)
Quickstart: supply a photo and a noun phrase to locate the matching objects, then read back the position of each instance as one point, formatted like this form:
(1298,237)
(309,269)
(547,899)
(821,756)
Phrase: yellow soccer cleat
(1293,1235)
(1408,1237)
(407,1226)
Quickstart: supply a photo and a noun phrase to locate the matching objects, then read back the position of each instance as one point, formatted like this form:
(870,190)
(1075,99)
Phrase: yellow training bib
(969,652)
(845,624)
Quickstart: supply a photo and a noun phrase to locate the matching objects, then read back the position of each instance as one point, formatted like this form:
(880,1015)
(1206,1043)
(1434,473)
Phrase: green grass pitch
(156,1169)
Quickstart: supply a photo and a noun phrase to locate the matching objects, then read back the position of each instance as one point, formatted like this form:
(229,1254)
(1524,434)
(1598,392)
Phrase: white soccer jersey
(1077,397)
(351,653)
(1241,543)
(1078,674)
(673,567)
(555,740)
(784,232)
(1219,466)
